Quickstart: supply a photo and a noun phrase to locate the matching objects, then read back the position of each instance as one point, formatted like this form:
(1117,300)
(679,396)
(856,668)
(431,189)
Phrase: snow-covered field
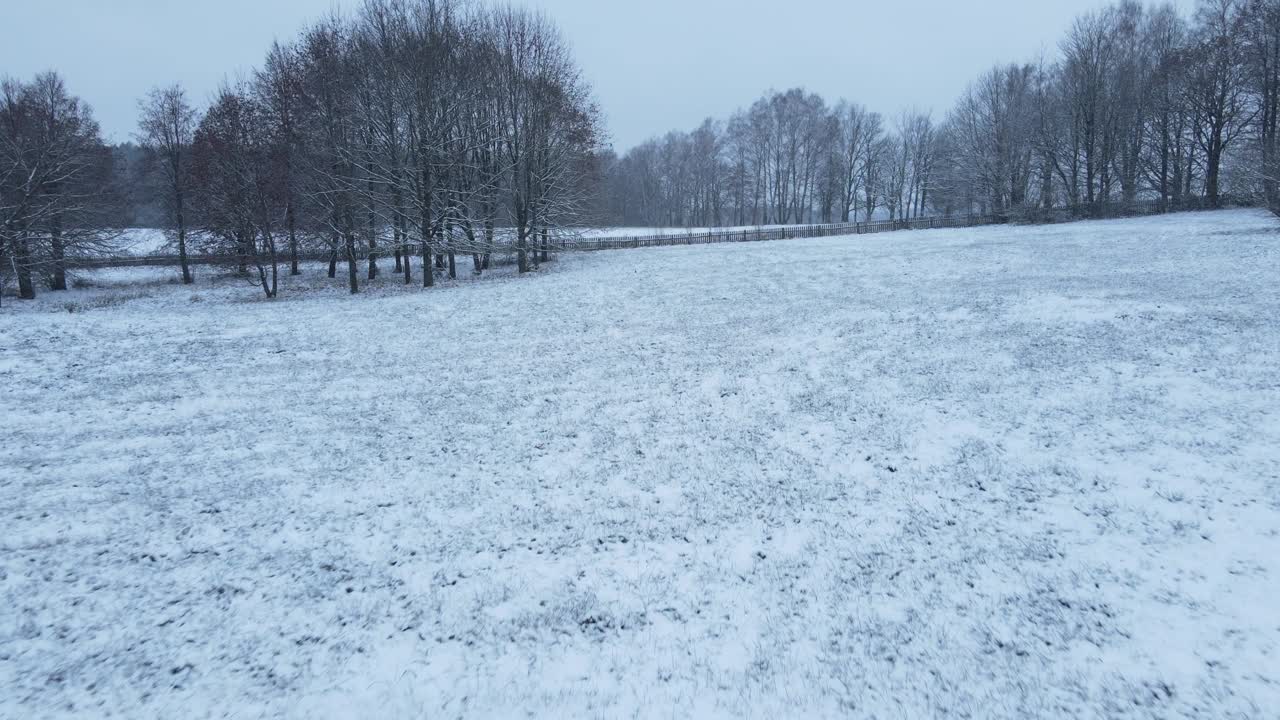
(997,472)
(146,241)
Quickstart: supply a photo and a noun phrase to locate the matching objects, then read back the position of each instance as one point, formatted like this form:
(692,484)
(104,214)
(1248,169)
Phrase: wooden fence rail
(788,232)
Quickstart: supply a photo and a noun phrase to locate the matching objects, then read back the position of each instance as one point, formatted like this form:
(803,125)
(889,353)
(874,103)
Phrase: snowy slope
(146,241)
(997,472)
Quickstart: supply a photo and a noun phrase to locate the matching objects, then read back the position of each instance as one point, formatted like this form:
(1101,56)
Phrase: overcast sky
(655,64)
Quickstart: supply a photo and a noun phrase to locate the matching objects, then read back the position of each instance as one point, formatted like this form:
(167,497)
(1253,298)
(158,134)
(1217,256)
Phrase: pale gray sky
(655,64)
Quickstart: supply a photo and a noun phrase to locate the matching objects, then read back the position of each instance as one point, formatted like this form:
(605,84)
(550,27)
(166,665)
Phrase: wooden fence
(788,232)
(1026,216)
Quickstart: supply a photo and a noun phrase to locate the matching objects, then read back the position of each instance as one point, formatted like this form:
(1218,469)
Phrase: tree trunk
(290,218)
(22,261)
(424,222)
(1164,162)
(428,272)
(58,281)
(353,273)
(373,246)
(242,258)
(352,261)
(1213,168)
(488,243)
(1046,185)
(182,241)
(448,237)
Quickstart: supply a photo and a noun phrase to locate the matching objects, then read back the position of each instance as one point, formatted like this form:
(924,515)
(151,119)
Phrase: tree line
(412,131)
(412,135)
(1139,103)
(55,188)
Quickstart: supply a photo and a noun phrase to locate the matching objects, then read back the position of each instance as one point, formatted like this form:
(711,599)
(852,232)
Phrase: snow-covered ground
(997,472)
(146,241)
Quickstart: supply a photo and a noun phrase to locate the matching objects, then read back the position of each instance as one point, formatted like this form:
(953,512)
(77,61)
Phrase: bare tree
(55,181)
(278,90)
(240,197)
(856,132)
(1262,23)
(1166,125)
(993,128)
(1218,86)
(166,128)
(547,121)
(331,126)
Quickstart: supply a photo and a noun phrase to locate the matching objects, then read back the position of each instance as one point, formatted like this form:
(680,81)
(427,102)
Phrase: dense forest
(428,133)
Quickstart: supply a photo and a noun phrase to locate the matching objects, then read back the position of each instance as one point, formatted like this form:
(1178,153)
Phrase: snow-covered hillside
(1003,471)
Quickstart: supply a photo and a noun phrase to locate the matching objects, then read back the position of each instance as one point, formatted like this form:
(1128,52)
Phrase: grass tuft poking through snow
(1002,471)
